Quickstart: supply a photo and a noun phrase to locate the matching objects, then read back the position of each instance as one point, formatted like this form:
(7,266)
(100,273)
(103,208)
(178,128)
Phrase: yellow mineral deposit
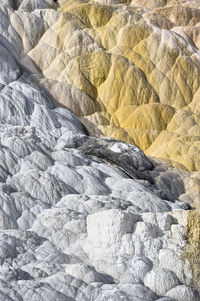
(128,69)
(192,248)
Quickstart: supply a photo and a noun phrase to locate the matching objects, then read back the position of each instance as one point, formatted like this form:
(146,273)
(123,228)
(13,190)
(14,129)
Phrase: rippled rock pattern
(128,69)
(84,218)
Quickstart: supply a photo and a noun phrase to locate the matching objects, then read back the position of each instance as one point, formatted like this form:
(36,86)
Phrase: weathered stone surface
(86,218)
(129,69)
(183,293)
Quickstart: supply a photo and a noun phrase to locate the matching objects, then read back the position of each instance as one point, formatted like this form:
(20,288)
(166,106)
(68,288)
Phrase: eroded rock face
(128,69)
(82,218)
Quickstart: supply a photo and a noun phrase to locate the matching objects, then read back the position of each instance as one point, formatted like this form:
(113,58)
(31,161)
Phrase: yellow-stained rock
(192,249)
(128,69)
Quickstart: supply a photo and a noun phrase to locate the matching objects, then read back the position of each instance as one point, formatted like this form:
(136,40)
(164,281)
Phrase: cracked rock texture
(85,218)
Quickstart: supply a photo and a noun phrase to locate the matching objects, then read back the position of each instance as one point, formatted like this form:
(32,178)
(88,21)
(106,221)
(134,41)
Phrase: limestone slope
(127,69)
(83,218)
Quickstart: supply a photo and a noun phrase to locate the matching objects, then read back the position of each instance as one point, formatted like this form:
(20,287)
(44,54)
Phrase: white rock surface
(183,293)
(81,218)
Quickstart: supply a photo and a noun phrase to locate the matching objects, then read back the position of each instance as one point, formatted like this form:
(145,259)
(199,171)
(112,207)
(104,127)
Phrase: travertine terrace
(84,216)
(129,70)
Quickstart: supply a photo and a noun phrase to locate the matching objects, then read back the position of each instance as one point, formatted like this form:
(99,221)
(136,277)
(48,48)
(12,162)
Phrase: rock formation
(127,69)
(93,218)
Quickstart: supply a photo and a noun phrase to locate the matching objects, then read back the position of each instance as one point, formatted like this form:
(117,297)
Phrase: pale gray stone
(183,293)
(81,218)
(161,280)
